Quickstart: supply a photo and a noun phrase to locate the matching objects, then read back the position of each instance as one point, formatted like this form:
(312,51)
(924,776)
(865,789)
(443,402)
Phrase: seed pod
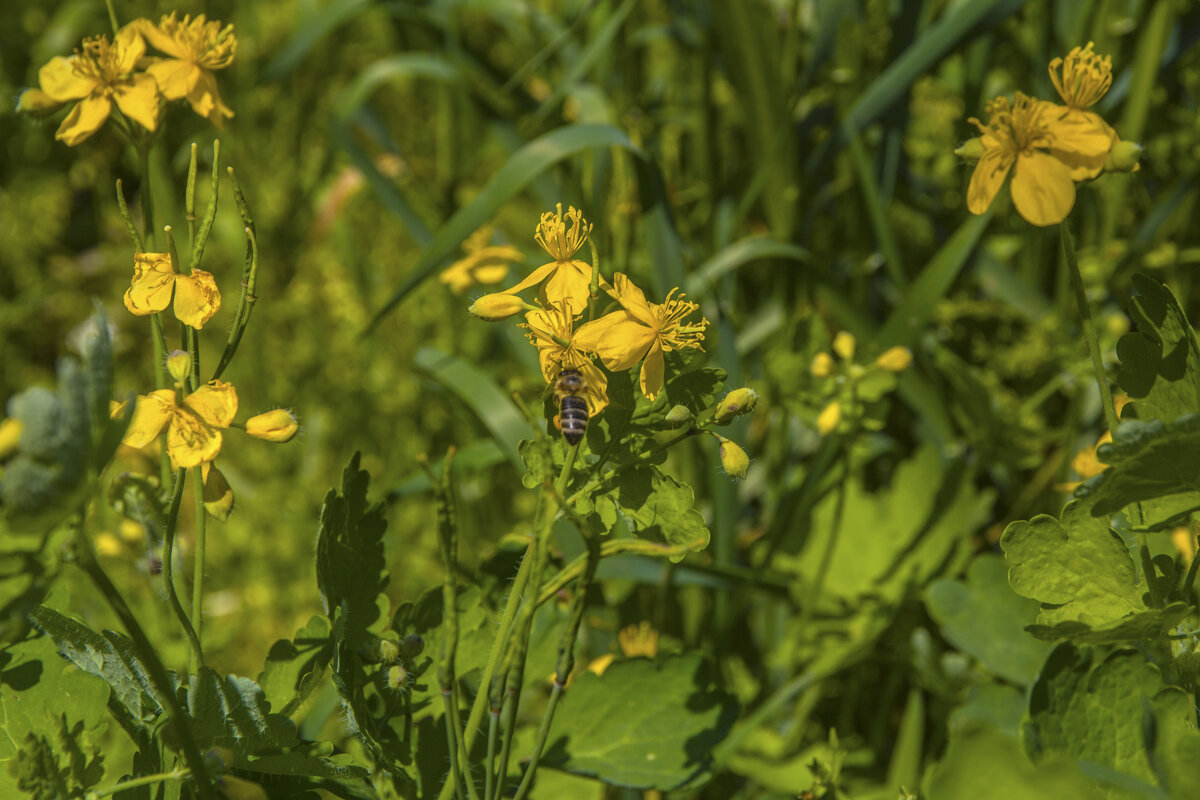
(679,416)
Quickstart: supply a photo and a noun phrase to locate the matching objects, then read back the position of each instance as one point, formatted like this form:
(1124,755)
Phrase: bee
(573,408)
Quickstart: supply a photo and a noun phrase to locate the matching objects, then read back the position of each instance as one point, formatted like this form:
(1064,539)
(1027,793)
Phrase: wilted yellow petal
(215,402)
(85,119)
(218,496)
(1042,190)
(197,298)
(151,413)
(153,284)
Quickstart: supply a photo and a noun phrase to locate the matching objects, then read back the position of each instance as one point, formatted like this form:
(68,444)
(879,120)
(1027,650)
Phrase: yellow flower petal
(138,100)
(1042,190)
(61,83)
(190,440)
(595,387)
(534,278)
(197,298)
(130,47)
(158,39)
(215,402)
(218,496)
(175,78)
(149,416)
(632,299)
(987,179)
(652,371)
(206,100)
(85,119)
(618,338)
(569,284)
(152,285)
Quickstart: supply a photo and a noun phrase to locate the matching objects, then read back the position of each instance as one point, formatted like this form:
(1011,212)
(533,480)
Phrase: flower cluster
(1047,147)
(638,331)
(102,74)
(853,384)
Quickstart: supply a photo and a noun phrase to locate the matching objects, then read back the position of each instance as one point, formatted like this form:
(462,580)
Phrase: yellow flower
(1030,138)
(551,332)
(194,48)
(99,74)
(822,365)
(193,435)
(1081,79)
(566,277)
(279,425)
(155,283)
(641,329)
(895,359)
(844,344)
(483,265)
(828,419)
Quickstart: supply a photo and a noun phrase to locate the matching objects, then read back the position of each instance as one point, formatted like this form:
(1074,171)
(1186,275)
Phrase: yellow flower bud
(498,306)
(131,531)
(1124,157)
(10,437)
(179,364)
(734,460)
(843,344)
(971,150)
(895,359)
(828,419)
(108,545)
(822,365)
(397,677)
(279,425)
(738,402)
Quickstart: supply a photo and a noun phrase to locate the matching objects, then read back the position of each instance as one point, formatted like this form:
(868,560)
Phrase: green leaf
(1077,568)
(1149,461)
(521,168)
(738,254)
(37,687)
(350,573)
(479,392)
(233,712)
(108,655)
(1173,743)
(642,724)
(985,764)
(1151,624)
(1160,363)
(295,667)
(659,507)
(984,617)
(1094,711)
(37,769)
(995,705)
(309,30)
(696,389)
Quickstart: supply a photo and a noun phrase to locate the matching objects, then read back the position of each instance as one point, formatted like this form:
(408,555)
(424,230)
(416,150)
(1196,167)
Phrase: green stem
(148,232)
(145,780)
(169,571)
(158,673)
(493,729)
(198,567)
(451,744)
(112,16)
(1110,410)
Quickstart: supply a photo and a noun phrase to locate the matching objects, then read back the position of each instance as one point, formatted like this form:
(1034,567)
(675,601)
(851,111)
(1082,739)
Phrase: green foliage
(37,770)
(642,724)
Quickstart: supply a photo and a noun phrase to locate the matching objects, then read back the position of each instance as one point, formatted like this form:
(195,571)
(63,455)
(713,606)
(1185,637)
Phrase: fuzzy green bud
(179,364)
(1124,157)
(411,646)
(734,460)
(971,150)
(738,402)
(679,416)
(397,677)
(496,307)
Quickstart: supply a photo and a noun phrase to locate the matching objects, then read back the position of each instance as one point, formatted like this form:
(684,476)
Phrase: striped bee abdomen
(573,407)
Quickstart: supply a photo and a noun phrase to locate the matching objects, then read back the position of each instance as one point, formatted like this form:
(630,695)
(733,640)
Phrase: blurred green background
(794,171)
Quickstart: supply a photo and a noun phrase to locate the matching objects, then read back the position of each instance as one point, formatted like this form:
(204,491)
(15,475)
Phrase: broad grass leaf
(1076,697)
(985,618)
(738,254)
(1149,461)
(642,724)
(982,763)
(1076,567)
(230,711)
(350,573)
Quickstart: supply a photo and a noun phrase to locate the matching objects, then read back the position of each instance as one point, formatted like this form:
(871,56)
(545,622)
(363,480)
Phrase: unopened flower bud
(412,645)
(734,460)
(37,103)
(397,677)
(738,402)
(895,359)
(498,306)
(279,425)
(179,364)
(971,150)
(389,651)
(10,437)
(843,344)
(828,419)
(1124,157)
(679,416)
(822,365)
